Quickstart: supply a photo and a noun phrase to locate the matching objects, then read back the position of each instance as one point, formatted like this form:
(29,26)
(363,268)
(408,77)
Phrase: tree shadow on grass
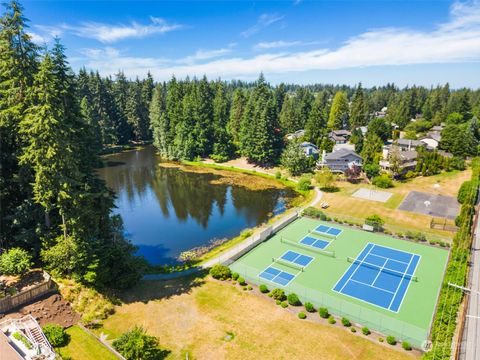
(147,290)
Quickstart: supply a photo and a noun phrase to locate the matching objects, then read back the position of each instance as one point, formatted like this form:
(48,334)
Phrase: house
(431,140)
(23,339)
(407,161)
(381,114)
(310,149)
(296,135)
(339,136)
(407,144)
(340,160)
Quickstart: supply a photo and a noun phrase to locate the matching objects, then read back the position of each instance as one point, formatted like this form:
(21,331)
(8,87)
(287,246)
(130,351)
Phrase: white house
(341,160)
(310,149)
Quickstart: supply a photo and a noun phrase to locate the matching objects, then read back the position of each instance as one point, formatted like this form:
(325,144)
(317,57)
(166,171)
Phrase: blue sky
(343,42)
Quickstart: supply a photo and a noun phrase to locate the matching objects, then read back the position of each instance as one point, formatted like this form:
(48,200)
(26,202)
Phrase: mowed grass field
(193,316)
(343,206)
(83,346)
(315,283)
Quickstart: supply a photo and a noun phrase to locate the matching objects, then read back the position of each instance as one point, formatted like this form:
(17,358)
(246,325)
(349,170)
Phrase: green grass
(315,283)
(83,346)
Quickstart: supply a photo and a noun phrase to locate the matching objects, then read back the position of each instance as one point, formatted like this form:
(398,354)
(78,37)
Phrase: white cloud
(108,33)
(458,40)
(44,34)
(37,38)
(205,55)
(263,21)
(282,44)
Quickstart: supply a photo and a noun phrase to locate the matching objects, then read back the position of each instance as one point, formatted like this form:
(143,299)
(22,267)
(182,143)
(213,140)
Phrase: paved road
(470,346)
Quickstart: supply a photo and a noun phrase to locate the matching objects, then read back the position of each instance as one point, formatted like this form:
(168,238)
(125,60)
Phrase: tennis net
(288,263)
(307,247)
(382,269)
(320,233)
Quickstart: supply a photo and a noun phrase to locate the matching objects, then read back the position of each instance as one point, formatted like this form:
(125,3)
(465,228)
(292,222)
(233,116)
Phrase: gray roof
(408,155)
(308,144)
(434,135)
(341,153)
(341,132)
(407,142)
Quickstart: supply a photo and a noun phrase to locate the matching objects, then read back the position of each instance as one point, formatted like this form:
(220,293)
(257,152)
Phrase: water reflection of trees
(188,194)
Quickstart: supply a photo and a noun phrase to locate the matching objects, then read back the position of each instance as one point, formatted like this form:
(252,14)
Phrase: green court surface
(410,304)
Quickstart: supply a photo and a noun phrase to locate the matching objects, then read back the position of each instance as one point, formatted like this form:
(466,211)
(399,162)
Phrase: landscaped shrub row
(450,299)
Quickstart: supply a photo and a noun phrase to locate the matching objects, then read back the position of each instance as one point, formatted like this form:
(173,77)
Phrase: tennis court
(377,281)
(379,276)
(328,230)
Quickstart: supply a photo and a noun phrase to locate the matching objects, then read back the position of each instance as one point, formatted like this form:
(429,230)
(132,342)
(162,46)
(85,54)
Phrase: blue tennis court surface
(328,230)
(311,241)
(379,276)
(276,276)
(296,258)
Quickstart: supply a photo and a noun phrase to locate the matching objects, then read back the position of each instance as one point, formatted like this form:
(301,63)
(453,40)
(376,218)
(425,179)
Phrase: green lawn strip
(83,346)
(320,276)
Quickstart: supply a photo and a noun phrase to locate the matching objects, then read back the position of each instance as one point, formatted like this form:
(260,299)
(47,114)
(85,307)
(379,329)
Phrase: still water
(167,211)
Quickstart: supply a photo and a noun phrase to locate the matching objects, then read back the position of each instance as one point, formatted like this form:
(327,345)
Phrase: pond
(168,209)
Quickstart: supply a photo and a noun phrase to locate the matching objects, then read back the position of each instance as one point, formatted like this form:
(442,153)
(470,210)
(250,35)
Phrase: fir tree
(338,117)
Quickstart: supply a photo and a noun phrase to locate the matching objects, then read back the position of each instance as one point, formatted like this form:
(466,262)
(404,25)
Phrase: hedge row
(444,325)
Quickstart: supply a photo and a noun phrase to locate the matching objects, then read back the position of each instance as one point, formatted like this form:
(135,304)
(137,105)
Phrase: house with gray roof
(340,160)
(310,149)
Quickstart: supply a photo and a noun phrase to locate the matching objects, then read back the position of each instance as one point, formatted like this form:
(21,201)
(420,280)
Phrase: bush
(380,339)
(365,331)
(278,302)
(309,307)
(391,340)
(375,221)
(406,346)
(284,304)
(304,184)
(263,289)
(353,330)
(410,174)
(323,312)
(466,191)
(331,320)
(346,322)
(249,287)
(371,170)
(136,344)
(293,299)
(241,281)
(382,181)
(56,335)
(220,272)
(15,261)
(278,175)
(302,315)
(20,337)
(315,213)
(278,294)
(235,276)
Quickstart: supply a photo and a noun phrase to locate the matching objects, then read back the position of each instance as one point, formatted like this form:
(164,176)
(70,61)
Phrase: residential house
(407,144)
(339,136)
(296,135)
(340,160)
(310,149)
(381,114)
(432,139)
(407,161)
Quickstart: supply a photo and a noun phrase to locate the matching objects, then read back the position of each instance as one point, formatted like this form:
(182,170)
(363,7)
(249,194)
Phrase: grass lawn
(346,207)
(83,346)
(410,321)
(194,316)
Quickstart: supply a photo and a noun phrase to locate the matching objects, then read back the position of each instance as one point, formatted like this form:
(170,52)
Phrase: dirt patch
(25,282)
(52,309)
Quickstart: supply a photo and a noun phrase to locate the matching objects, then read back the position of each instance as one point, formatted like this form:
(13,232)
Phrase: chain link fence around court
(363,316)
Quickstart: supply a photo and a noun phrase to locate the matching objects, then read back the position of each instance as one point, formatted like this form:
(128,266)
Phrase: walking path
(237,249)
(470,345)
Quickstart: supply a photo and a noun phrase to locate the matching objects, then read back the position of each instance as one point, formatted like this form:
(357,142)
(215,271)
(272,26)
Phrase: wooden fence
(11,302)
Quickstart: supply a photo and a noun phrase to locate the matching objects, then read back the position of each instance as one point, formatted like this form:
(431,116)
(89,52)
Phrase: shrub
(302,315)
(263,289)
(278,294)
(353,330)
(137,344)
(56,335)
(244,288)
(20,337)
(293,299)
(241,281)
(315,213)
(278,175)
(284,304)
(278,302)
(466,190)
(382,181)
(331,320)
(365,331)
(309,307)
(371,170)
(304,184)
(391,340)
(406,346)
(346,322)
(410,174)
(249,287)
(235,276)
(323,312)
(220,272)
(15,261)
(380,339)
(376,221)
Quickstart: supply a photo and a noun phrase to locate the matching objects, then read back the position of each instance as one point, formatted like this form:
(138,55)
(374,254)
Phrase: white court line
(298,255)
(351,275)
(401,281)
(373,286)
(408,285)
(379,272)
(328,242)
